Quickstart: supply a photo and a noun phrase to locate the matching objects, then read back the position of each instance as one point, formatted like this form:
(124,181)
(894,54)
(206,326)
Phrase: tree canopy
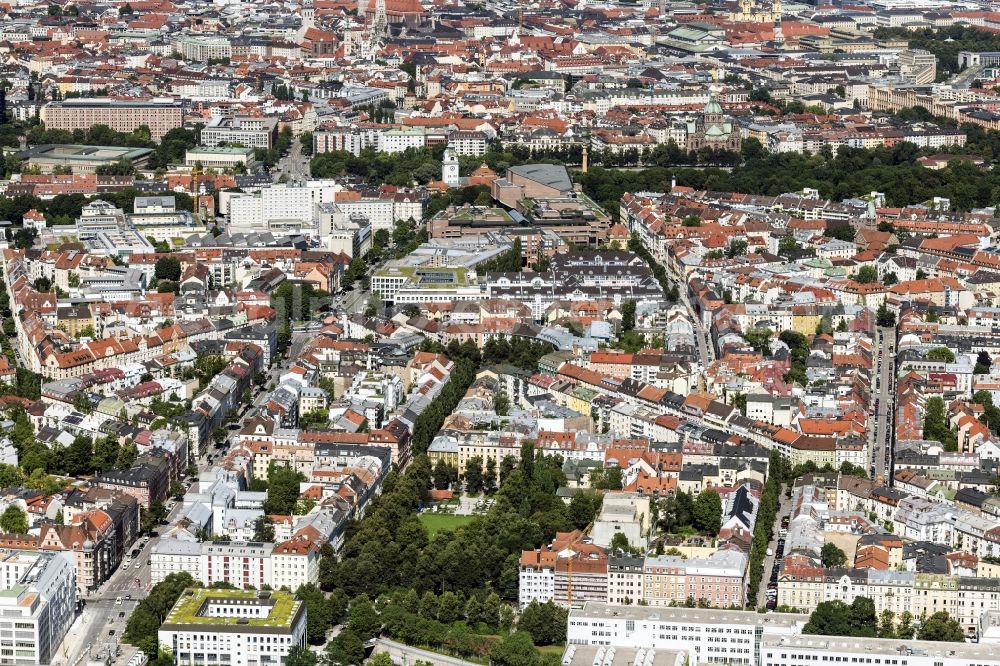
(835,618)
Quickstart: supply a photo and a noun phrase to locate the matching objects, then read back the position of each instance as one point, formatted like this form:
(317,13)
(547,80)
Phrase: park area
(435,522)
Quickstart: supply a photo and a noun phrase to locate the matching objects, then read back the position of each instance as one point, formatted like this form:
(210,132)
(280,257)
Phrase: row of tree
(509,261)
(82,456)
(859,618)
(936,424)
(420,165)
(852,172)
(66,208)
(669,287)
(764,527)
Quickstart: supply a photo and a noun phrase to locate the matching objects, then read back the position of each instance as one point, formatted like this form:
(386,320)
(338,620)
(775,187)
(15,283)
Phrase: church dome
(713,105)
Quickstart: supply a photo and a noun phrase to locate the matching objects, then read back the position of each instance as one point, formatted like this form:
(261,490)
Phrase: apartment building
(965,598)
(239,563)
(209,408)
(395,139)
(468,142)
(236,627)
(287,564)
(159,115)
(294,563)
(169,556)
(380,213)
(147,482)
(716,579)
(568,571)
(625,579)
(37,605)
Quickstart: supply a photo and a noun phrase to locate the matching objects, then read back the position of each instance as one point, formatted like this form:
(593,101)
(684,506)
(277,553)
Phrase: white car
(137,564)
(118,601)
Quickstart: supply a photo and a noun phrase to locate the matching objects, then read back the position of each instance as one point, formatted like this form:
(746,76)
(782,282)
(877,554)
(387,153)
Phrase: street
(107,609)
(411,655)
(784,507)
(702,335)
(295,165)
(880,438)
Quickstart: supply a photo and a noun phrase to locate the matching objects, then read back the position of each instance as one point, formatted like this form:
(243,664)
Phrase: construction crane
(569,582)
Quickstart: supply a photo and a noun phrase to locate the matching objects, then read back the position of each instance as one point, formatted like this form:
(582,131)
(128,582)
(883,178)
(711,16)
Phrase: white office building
(234,627)
(379,212)
(832,650)
(37,604)
(280,209)
(748,638)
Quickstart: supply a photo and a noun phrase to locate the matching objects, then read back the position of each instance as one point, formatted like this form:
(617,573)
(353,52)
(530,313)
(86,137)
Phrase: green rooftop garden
(466,213)
(191,601)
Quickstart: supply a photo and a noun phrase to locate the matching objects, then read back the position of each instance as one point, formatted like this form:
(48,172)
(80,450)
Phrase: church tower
(308,14)
(380,26)
(449,169)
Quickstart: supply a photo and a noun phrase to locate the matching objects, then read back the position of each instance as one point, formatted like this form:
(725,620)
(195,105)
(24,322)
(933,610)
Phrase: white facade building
(710,636)
(241,564)
(235,627)
(380,213)
(170,556)
(536,584)
(280,208)
(288,564)
(294,563)
(37,605)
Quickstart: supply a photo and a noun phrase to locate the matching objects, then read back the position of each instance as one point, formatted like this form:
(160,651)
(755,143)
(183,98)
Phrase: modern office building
(243,130)
(281,209)
(203,48)
(748,638)
(37,604)
(234,627)
(219,157)
(159,115)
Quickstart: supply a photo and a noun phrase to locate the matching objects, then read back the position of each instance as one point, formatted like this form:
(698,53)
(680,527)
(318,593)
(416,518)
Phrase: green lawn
(443,521)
